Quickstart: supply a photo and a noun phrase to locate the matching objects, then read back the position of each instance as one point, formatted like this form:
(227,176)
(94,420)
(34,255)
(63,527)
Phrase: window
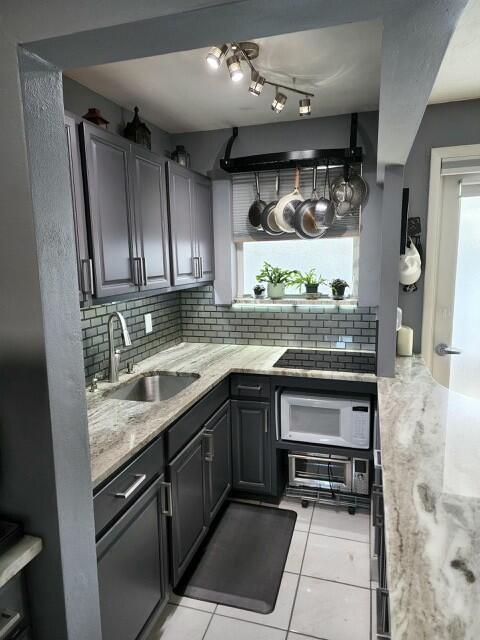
(332,258)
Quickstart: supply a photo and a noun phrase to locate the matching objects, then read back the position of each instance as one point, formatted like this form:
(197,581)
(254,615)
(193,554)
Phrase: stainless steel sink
(155,387)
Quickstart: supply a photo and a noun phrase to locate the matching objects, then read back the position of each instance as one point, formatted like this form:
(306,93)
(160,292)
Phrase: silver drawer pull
(139,479)
(211,451)
(377,458)
(245,387)
(167,510)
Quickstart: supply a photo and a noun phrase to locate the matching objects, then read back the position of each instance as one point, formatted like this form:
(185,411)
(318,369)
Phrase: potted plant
(276,279)
(259,291)
(310,280)
(338,287)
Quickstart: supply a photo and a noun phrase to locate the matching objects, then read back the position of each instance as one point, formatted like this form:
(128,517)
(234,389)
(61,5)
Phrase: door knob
(443,349)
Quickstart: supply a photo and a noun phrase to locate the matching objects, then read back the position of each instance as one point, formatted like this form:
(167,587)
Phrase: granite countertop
(18,556)
(430,439)
(120,428)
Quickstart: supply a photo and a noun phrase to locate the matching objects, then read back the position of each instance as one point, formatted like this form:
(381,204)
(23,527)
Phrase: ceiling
(179,92)
(458,77)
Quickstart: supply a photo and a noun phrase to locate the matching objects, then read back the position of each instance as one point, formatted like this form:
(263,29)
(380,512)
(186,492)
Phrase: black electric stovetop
(330,359)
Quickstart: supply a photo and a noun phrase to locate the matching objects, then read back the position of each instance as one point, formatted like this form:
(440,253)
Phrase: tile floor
(325,591)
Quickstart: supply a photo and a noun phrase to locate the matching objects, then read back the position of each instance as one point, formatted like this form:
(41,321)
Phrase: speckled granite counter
(430,453)
(120,428)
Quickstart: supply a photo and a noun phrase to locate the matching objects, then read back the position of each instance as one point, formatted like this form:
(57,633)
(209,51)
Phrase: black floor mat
(241,563)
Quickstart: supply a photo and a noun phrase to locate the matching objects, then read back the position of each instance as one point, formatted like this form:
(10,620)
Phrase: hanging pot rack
(294,159)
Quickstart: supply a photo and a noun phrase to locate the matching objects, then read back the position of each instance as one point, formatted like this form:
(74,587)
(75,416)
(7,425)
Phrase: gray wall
(78,99)
(207,147)
(443,125)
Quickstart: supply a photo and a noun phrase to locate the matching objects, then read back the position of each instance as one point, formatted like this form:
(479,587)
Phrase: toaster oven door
(320,472)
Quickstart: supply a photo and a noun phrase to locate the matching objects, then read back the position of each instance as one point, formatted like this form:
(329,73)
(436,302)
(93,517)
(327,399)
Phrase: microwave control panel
(360,424)
(360,476)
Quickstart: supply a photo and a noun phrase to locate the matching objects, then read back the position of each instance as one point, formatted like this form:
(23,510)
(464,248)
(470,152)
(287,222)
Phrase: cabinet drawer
(122,490)
(249,386)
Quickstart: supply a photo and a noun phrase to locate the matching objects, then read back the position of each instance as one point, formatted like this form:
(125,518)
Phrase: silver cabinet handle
(377,458)
(139,479)
(167,510)
(9,619)
(245,387)
(144,269)
(211,447)
(200,263)
(266,423)
(443,349)
(87,263)
(137,271)
(195,267)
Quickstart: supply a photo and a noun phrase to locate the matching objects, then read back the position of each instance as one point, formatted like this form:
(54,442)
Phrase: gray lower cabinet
(84,263)
(189,504)
(110,208)
(218,458)
(251,446)
(191,225)
(132,567)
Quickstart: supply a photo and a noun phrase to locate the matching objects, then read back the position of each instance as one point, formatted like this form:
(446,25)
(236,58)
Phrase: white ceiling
(458,77)
(179,92)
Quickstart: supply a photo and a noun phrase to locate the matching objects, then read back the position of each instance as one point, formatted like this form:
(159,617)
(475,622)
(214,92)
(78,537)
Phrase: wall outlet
(148,323)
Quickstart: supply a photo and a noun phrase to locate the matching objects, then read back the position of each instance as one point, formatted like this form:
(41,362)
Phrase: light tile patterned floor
(324,592)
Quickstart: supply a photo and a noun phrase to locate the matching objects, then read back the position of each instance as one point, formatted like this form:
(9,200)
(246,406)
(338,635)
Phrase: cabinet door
(132,570)
(151,218)
(203,221)
(218,457)
(184,263)
(110,209)
(251,446)
(189,520)
(84,264)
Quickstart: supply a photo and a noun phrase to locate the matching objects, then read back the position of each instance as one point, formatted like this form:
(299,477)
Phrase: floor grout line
(347,584)
(326,535)
(298,579)
(208,626)
(260,624)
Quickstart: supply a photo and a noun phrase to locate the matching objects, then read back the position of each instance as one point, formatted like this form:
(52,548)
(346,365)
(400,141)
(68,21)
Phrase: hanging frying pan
(285,209)
(267,219)
(348,192)
(256,208)
(314,216)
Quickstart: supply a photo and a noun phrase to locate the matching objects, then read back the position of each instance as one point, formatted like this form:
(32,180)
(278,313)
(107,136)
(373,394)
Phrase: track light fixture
(216,55)
(257,83)
(304,107)
(234,68)
(246,52)
(279,101)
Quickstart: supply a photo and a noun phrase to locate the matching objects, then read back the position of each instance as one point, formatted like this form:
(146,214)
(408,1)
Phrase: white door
(456,326)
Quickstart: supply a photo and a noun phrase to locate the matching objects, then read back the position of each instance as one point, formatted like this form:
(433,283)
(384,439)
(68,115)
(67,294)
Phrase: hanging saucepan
(314,216)
(348,192)
(267,219)
(285,209)
(256,208)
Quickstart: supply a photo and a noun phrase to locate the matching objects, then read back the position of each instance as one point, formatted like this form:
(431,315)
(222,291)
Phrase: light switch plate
(148,323)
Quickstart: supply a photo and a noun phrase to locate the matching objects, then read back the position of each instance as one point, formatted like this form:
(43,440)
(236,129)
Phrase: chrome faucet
(115,353)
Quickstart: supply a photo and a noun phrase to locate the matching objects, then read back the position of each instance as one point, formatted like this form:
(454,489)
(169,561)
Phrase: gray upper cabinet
(84,264)
(110,211)
(191,225)
(150,206)
(251,446)
(203,223)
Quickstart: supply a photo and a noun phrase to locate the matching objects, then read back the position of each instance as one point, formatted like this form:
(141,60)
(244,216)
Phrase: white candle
(405,341)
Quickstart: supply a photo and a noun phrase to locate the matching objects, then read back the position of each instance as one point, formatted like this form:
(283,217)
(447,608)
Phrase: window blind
(243,194)
(460,165)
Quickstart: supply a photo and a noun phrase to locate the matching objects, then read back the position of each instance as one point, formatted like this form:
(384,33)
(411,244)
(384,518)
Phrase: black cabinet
(84,263)
(251,446)
(191,225)
(132,567)
(218,458)
(189,504)
(110,203)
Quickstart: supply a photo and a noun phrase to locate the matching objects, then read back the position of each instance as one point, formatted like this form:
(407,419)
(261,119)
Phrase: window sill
(328,303)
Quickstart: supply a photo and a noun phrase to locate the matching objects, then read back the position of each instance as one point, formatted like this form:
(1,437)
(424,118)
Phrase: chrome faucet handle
(93,384)
(130,366)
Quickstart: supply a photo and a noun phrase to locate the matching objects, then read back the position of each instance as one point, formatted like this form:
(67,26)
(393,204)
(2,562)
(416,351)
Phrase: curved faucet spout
(127,342)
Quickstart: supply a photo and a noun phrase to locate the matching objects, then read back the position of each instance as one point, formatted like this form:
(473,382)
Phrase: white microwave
(328,420)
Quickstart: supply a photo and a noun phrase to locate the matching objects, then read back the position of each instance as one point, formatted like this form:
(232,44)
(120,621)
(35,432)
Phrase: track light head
(257,83)
(234,68)
(304,107)
(279,101)
(216,56)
